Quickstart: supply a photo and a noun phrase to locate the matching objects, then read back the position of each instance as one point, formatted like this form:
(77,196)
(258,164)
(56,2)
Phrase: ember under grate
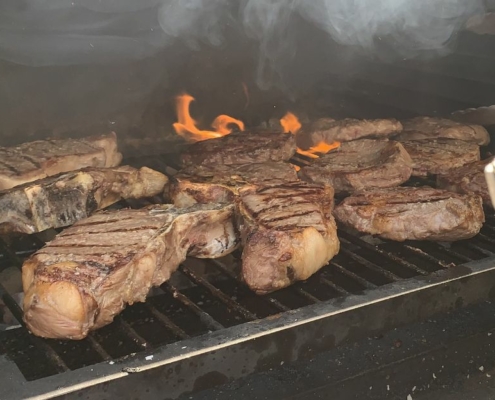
(207,295)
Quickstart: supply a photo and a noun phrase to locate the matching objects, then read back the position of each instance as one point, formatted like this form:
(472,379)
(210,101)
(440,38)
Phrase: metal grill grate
(207,295)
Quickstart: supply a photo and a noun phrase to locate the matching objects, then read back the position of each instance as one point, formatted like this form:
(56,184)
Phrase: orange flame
(186,125)
(291,124)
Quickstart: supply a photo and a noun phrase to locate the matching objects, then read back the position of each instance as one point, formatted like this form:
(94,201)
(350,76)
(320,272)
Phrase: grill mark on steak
(10,167)
(256,214)
(141,228)
(30,159)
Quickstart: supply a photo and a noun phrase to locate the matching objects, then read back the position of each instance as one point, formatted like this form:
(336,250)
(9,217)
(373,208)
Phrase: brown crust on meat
(433,157)
(361,164)
(407,213)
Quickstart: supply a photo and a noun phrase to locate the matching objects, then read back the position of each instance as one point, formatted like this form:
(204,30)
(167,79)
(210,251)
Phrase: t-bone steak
(287,231)
(469,179)
(361,164)
(433,157)
(241,148)
(413,213)
(83,278)
(31,161)
(440,128)
(61,200)
(220,183)
(344,130)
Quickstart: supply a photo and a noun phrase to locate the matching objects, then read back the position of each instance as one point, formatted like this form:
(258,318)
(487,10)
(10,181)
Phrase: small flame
(320,148)
(296,167)
(291,124)
(186,125)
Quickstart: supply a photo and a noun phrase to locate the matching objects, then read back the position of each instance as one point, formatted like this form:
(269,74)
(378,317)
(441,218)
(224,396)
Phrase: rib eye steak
(329,131)
(440,128)
(241,148)
(432,157)
(361,164)
(220,183)
(61,200)
(287,231)
(36,160)
(413,213)
(83,278)
(469,179)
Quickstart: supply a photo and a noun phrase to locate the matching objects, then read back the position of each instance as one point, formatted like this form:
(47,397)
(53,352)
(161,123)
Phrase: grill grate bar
(221,266)
(337,288)
(480,249)
(370,265)
(345,237)
(423,254)
(131,332)
(229,302)
(357,278)
(166,321)
(99,349)
(307,295)
(205,318)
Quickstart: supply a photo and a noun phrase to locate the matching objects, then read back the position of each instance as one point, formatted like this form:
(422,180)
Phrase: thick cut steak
(433,157)
(408,213)
(220,183)
(440,128)
(288,233)
(36,160)
(469,179)
(345,130)
(83,278)
(241,148)
(61,200)
(361,164)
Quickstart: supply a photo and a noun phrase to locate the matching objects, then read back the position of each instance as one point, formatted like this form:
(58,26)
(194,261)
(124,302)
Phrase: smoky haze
(68,32)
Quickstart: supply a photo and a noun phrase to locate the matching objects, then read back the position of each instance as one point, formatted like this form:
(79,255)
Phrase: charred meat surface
(241,148)
(469,179)
(407,213)
(61,200)
(36,160)
(329,131)
(83,278)
(287,231)
(361,164)
(440,128)
(220,183)
(433,157)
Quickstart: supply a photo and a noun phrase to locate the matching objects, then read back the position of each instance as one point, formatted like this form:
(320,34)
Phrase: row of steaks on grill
(231,192)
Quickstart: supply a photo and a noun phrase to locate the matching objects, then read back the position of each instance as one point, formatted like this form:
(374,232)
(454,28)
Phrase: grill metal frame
(390,287)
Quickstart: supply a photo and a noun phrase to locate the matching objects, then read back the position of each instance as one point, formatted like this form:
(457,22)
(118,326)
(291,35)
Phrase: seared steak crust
(36,160)
(440,128)
(345,130)
(432,157)
(241,148)
(361,164)
(469,179)
(220,183)
(287,231)
(407,213)
(92,270)
(63,199)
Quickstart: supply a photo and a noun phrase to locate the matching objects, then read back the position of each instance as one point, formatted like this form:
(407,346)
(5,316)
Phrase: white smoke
(65,32)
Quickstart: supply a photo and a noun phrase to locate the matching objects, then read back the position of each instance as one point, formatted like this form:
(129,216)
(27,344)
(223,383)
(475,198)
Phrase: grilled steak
(432,157)
(345,130)
(469,179)
(241,148)
(440,128)
(361,164)
(287,231)
(89,272)
(63,199)
(36,160)
(220,183)
(407,213)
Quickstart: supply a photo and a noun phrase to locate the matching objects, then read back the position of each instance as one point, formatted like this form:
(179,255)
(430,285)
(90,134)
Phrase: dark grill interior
(207,295)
